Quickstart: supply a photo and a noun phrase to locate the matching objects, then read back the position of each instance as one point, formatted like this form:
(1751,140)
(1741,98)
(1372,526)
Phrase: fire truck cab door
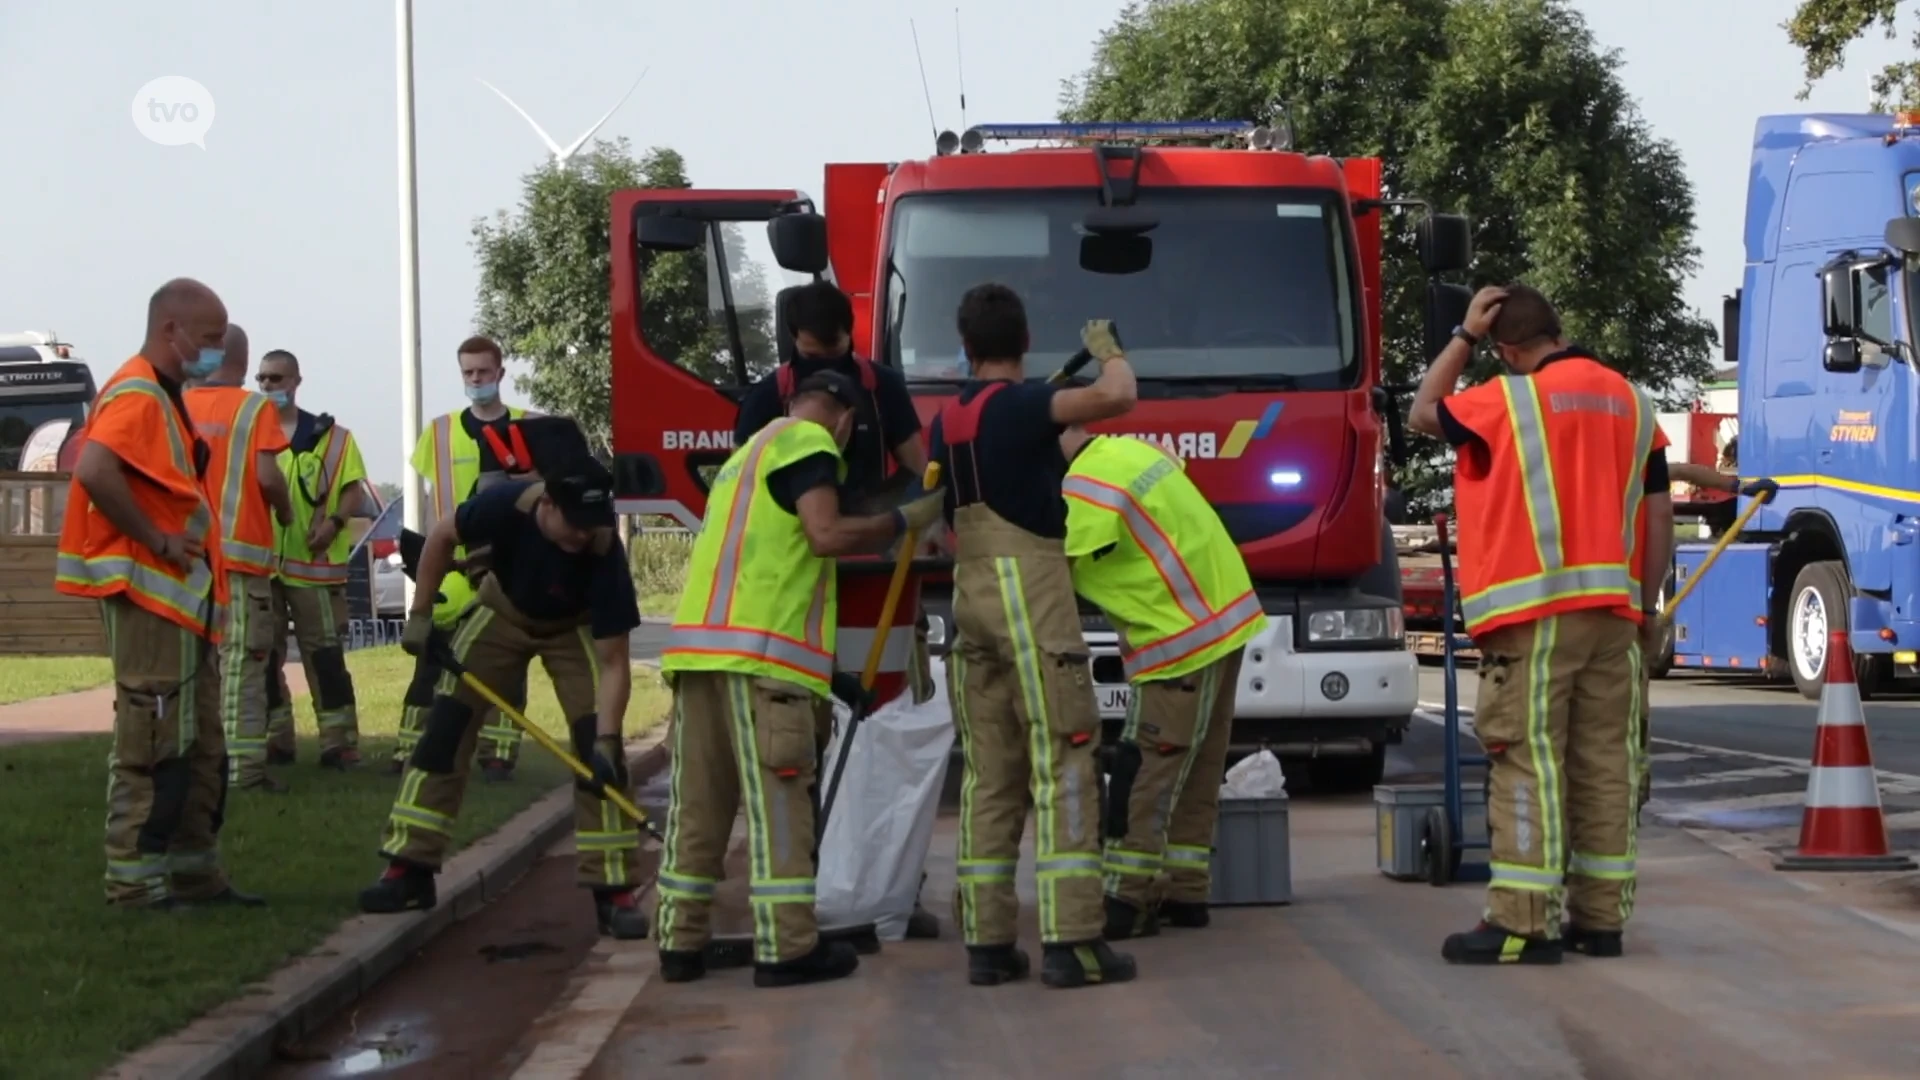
(693,328)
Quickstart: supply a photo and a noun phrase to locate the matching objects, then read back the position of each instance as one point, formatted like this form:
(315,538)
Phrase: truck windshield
(20,420)
(1243,286)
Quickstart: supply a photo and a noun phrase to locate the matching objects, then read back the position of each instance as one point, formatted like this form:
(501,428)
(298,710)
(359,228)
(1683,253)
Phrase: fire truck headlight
(1367,624)
(1284,478)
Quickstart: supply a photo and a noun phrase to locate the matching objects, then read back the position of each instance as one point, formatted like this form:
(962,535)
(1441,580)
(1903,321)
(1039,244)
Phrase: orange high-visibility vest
(239,426)
(165,463)
(1553,506)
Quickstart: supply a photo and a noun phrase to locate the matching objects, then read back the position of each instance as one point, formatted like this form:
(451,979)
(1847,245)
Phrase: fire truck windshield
(1243,285)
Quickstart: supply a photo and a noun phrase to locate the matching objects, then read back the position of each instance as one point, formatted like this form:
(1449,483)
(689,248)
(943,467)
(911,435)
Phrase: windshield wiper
(1272,380)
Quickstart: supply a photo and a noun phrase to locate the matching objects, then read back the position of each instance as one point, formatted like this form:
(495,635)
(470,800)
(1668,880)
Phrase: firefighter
(328,484)
(1148,549)
(459,455)
(140,536)
(559,590)
(750,652)
(818,334)
(250,496)
(1018,672)
(1561,468)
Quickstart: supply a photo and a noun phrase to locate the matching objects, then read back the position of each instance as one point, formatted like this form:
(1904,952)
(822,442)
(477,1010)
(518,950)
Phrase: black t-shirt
(886,420)
(1018,451)
(542,580)
(787,483)
(1458,434)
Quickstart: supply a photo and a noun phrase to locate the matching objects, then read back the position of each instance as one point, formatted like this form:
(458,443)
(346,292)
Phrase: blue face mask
(208,362)
(278,397)
(483,393)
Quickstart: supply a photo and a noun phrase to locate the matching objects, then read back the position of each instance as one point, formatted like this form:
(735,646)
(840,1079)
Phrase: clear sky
(291,210)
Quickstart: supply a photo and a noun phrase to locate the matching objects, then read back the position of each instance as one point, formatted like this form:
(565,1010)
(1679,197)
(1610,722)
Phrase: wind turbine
(562,154)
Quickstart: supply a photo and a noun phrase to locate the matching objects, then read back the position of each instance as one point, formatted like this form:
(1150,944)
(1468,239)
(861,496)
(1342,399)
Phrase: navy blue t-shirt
(1018,452)
(885,420)
(542,580)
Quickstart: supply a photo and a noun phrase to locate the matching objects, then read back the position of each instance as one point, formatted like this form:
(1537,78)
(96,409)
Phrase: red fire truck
(1246,280)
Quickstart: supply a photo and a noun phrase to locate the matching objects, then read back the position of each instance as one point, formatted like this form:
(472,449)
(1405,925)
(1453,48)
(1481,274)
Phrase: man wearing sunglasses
(140,537)
(328,485)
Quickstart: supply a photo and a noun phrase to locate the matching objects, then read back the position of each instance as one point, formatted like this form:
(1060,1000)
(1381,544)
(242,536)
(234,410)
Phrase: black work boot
(828,960)
(922,925)
(1595,943)
(620,915)
(1126,921)
(495,770)
(1490,944)
(342,758)
(277,756)
(403,887)
(1088,963)
(991,965)
(679,967)
(1184,914)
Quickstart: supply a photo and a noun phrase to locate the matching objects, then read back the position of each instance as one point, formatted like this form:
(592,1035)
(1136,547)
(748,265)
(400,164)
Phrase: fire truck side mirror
(1445,242)
(799,242)
(1446,308)
(660,232)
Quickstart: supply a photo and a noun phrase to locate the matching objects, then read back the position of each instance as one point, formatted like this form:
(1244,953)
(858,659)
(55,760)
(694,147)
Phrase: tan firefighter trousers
(246,652)
(497,648)
(741,738)
(1559,713)
(499,738)
(167,788)
(1167,772)
(319,616)
(1029,730)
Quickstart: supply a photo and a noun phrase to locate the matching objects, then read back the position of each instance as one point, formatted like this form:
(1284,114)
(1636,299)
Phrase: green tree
(1822,29)
(544,287)
(1505,110)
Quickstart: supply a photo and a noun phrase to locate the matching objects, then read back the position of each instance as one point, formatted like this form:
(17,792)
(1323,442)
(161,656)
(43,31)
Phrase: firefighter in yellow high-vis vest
(328,484)
(750,652)
(459,455)
(1148,550)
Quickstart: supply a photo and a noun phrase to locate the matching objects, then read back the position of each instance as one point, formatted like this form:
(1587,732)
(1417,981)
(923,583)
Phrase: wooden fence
(35,620)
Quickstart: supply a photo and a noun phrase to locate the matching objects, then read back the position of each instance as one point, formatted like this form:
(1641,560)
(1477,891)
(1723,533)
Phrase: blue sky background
(291,211)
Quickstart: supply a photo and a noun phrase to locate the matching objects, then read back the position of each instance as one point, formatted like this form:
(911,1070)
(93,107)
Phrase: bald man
(141,538)
(249,495)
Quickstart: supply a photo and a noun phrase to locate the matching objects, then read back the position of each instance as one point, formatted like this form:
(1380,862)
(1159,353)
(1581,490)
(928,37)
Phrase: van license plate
(1115,698)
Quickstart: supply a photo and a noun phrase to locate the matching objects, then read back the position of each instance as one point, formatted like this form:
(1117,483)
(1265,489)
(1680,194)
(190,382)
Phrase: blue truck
(1825,330)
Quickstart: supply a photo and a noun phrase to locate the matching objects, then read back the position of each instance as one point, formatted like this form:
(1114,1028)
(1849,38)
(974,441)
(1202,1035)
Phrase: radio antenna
(960,67)
(931,122)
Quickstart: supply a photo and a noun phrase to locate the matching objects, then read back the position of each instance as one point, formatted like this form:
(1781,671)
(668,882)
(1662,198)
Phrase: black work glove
(601,753)
(846,686)
(1762,489)
(417,636)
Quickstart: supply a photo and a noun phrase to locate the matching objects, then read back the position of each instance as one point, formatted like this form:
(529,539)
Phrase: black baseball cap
(833,384)
(583,490)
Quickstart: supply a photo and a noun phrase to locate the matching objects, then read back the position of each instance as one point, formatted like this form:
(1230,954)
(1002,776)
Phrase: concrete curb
(237,1039)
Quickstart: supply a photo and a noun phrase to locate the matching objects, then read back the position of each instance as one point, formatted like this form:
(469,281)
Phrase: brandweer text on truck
(1246,281)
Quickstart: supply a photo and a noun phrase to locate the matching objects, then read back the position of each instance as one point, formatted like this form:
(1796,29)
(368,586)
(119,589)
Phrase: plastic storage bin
(1252,861)
(1400,815)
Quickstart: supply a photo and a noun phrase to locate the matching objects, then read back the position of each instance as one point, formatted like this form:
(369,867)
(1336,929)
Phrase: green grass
(659,562)
(84,984)
(29,677)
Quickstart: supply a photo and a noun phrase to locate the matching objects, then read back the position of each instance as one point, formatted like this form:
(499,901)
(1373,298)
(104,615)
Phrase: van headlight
(936,631)
(1355,624)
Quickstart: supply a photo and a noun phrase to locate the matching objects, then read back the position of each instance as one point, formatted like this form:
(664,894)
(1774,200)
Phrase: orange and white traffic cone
(1843,827)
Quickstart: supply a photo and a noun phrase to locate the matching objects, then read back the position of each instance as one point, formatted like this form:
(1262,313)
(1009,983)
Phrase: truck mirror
(1903,235)
(1446,308)
(1445,242)
(799,242)
(1836,285)
(1118,221)
(1115,254)
(659,232)
(1842,356)
(1730,328)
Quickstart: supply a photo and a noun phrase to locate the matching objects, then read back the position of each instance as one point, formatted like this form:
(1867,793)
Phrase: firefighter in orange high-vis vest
(249,496)
(140,536)
(1561,476)
(328,484)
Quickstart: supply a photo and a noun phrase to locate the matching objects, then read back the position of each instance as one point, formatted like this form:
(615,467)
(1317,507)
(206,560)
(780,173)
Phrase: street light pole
(409,272)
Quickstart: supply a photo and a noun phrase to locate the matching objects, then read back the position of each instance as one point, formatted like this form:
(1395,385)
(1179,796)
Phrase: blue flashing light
(1175,129)
(1284,478)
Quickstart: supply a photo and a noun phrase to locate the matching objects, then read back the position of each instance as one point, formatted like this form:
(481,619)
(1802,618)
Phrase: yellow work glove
(1101,339)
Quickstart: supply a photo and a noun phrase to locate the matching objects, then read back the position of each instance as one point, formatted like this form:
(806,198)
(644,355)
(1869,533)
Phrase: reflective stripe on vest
(1555,580)
(714,634)
(109,572)
(1644,424)
(241,555)
(1208,627)
(959,427)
